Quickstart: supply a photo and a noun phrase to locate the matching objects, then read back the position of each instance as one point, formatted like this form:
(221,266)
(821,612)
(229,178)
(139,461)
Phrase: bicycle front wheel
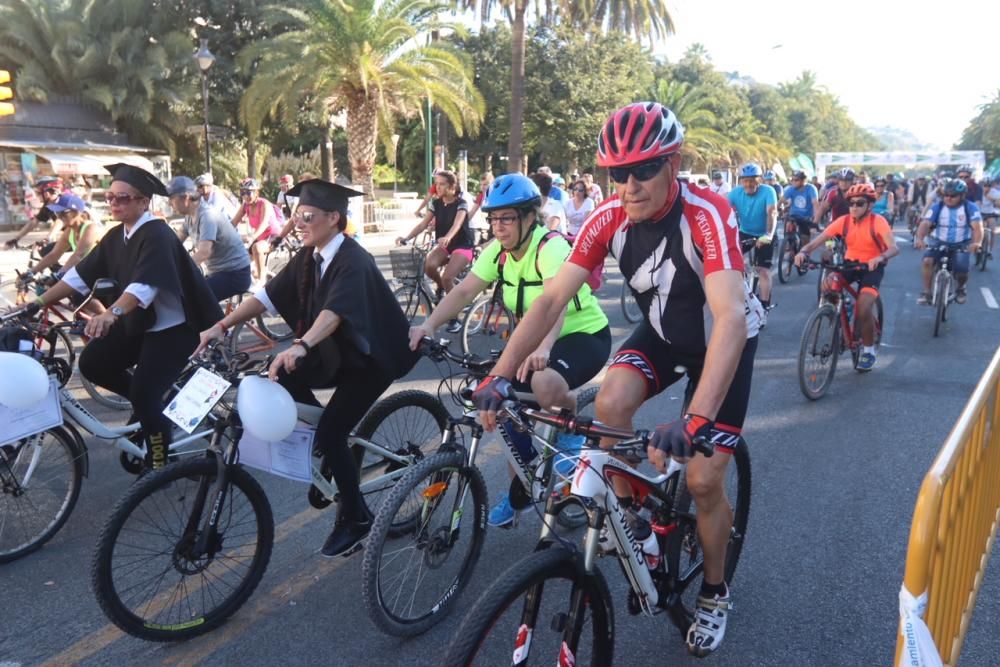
(545,606)
(630,308)
(146,575)
(274,327)
(411,579)
(487,327)
(40,479)
(786,260)
(818,352)
(942,283)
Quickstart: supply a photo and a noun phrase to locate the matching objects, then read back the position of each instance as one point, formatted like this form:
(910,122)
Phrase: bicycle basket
(406,262)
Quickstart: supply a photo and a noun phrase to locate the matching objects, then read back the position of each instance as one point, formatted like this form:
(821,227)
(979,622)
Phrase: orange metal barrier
(954,527)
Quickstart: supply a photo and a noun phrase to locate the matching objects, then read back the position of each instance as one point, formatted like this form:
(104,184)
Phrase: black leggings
(358,389)
(158,357)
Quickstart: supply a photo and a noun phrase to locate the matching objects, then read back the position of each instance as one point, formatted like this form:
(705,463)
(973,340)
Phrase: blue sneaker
(502,513)
(866,362)
(570,446)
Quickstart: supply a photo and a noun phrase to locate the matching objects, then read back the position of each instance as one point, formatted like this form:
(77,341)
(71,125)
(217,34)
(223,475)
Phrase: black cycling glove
(492,392)
(678,437)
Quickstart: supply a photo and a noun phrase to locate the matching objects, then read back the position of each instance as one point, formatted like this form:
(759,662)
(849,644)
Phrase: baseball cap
(67,203)
(181,185)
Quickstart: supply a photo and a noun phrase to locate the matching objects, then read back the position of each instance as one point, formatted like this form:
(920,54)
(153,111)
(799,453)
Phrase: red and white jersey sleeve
(596,237)
(714,230)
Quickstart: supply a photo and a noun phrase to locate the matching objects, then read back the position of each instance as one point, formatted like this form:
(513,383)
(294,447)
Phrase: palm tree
(371,59)
(644,18)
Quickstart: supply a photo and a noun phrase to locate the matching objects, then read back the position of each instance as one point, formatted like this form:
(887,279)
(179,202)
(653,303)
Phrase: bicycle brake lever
(703,445)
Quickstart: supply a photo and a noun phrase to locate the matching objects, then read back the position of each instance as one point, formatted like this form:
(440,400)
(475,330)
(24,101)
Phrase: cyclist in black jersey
(677,246)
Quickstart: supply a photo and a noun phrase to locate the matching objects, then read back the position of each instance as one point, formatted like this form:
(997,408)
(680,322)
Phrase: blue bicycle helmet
(512,191)
(956,187)
(769,175)
(750,170)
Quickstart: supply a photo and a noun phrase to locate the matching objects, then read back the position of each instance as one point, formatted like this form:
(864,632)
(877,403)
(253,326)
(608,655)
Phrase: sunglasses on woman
(120,199)
(643,171)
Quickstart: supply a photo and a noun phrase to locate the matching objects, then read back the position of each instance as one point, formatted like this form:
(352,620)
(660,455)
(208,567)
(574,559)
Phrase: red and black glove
(678,437)
(492,392)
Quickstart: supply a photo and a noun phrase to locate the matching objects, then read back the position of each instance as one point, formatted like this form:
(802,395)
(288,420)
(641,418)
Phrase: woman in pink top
(259,214)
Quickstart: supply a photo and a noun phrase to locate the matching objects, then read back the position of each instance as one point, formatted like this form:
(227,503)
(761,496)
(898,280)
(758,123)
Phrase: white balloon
(266,409)
(23,381)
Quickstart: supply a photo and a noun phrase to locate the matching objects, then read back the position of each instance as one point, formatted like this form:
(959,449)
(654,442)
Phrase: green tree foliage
(983,131)
(371,60)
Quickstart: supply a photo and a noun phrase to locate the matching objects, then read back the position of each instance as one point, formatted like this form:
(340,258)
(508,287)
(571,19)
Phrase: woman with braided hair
(350,334)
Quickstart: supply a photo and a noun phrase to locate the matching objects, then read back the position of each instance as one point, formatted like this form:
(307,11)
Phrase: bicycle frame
(943,270)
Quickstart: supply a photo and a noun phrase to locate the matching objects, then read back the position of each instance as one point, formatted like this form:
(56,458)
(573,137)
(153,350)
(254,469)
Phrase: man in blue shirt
(772,180)
(756,208)
(955,226)
(801,198)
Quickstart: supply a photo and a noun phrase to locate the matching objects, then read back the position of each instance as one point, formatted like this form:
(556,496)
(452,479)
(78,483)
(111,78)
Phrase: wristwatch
(117,311)
(304,345)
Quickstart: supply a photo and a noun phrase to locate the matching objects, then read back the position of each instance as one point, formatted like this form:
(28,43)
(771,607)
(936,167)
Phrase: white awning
(91,164)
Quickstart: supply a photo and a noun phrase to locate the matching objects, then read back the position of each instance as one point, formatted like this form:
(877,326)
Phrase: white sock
(868,349)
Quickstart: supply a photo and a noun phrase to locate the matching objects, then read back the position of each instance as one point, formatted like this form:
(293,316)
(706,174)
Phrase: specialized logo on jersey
(592,228)
(704,226)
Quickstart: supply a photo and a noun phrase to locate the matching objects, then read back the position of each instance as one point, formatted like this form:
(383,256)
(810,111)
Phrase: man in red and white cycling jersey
(677,246)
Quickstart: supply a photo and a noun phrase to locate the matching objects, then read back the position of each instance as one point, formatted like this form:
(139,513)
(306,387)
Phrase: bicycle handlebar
(843,266)
(438,351)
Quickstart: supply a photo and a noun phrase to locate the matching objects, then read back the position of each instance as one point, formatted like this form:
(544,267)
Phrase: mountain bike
(187,545)
(415,293)
(944,286)
(412,579)
(556,602)
(790,245)
(832,329)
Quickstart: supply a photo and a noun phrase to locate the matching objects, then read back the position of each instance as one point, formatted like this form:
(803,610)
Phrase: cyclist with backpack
(523,257)
(835,200)
(263,219)
(868,238)
(952,223)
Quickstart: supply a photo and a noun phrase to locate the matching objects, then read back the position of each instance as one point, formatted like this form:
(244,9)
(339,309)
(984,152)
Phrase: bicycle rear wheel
(683,550)
(40,478)
(411,579)
(408,423)
(104,397)
(818,352)
(545,605)
(630,307)
(786,260)
(145,575)
(414,303)
(487,327)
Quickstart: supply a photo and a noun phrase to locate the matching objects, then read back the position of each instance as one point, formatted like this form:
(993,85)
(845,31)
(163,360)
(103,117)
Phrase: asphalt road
(834,483)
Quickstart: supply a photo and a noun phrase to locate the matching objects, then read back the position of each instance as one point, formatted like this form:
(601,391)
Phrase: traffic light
(6,93)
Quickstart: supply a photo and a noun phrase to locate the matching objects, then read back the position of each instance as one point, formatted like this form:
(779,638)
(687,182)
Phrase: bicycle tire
(741,512)
(416,308)
(178,478)
(104,397)
(941,284)
(535,573)
(784,260)
(274,327)
(630,308)
(811,334)
(397,416)
(432,544)
(486,327)
(68,463)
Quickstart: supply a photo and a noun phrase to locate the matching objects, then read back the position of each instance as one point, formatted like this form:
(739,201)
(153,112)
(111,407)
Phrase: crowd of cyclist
(679,246)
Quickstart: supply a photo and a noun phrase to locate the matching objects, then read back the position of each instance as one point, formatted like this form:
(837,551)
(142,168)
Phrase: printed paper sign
(195,399)
(291,457)
(46,414)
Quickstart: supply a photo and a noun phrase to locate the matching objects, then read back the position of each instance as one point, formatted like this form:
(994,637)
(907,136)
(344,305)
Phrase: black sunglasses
(642,171)
(858,203)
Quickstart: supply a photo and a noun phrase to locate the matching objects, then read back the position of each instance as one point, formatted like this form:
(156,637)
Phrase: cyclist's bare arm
(326,323)
(83,247)
(202,252)
(61,246)
(543,349)
(821,210)
(725,296)
(238,217)
(28,227)
(249,309)
(772,220)
(420,227)
(453,303)
(540,318)
(977,233)
(455,228)
(820,240)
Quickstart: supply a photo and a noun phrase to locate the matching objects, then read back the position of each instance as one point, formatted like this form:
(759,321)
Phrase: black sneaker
(454,326)
(346,537)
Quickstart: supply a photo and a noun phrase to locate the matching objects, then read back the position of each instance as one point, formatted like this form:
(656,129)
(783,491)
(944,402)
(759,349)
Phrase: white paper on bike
(291,457)
(196,398)
(46,414)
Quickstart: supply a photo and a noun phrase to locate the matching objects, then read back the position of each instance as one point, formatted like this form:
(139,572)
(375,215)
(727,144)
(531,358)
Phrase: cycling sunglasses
(858,203)
(643,171)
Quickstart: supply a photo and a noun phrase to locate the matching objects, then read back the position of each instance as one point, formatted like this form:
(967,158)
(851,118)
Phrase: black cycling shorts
(762,254)
(649,356)
(805,225)
(577,357)
(865,279)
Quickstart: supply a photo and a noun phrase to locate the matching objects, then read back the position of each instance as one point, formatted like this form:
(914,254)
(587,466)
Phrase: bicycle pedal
(317,499)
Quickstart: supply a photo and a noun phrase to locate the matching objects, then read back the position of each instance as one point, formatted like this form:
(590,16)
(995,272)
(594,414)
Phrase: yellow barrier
(955,524)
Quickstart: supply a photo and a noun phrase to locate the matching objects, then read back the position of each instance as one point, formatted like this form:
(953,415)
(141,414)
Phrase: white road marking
(900,239)
(989,298)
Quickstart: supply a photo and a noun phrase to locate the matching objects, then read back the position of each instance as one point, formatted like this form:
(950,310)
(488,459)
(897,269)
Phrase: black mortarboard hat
(140,179)
(324,195)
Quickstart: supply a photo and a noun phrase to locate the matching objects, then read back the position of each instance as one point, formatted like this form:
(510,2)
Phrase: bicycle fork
(206,542)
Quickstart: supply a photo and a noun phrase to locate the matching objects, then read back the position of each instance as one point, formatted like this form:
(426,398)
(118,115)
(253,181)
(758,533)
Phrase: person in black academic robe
(163,301)
(351,334)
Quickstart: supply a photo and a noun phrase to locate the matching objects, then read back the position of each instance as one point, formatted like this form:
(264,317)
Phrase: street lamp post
(205,61)
(395,152)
